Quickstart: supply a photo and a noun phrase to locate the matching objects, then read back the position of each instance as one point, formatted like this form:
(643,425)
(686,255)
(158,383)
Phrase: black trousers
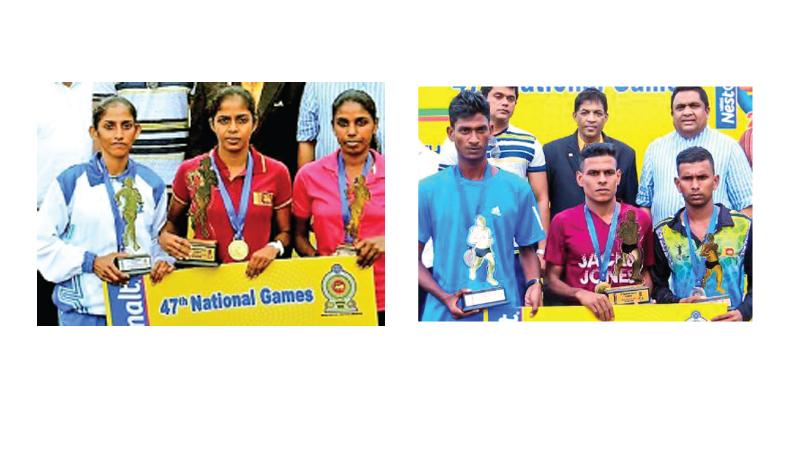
(47,313)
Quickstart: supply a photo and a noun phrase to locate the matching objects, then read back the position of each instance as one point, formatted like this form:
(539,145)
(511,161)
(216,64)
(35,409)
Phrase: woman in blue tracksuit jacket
(97,211)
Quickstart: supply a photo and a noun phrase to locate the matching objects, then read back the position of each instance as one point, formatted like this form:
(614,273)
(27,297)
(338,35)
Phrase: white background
(407,385)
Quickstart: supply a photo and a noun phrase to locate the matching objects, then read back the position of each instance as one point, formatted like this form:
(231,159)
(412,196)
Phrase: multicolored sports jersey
(729,255)
(468,234)
(514,150)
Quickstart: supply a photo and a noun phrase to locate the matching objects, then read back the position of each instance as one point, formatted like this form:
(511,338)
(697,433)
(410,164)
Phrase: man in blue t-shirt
(473,212)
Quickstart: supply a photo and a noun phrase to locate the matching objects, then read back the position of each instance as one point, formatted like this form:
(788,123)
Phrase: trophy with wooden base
(625,295)
(203,252)
(628,234)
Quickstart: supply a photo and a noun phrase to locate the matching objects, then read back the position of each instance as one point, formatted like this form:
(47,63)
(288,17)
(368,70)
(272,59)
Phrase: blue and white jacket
(76,224)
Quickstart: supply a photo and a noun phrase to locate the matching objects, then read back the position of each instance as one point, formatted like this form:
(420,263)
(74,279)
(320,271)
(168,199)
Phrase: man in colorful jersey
(719,255)
(473,210)
(585,244)
(690,118)
(563,155)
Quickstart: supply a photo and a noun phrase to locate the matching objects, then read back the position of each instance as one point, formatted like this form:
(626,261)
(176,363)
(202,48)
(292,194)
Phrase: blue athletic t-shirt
(447,217)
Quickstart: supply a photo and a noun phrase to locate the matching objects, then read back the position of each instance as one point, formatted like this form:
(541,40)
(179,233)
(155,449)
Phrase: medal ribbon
(343,190)
(236,219)
(698,266)
(119,223)
(462,196)
(605,257)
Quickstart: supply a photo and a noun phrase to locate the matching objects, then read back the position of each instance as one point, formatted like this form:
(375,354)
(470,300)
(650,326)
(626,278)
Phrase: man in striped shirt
(657,193)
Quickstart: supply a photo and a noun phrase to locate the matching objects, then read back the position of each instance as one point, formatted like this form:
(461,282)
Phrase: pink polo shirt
(316,194)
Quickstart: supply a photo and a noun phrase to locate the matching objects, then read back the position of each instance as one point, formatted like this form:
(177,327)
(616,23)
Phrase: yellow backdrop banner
(299,291)
(636,114)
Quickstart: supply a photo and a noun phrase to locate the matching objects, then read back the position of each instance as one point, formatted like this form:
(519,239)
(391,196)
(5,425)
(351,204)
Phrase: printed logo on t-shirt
(590,266)
(496,211)
(262,198)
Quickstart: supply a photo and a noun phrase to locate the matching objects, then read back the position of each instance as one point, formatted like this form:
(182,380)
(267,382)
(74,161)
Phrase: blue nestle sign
(726,107)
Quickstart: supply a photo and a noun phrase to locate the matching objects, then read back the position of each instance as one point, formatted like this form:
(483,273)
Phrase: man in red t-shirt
(585,245)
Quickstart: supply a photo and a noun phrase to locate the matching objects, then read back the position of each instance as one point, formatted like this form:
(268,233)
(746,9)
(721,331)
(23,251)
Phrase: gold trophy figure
(710,250)
(357,195)
(360,195)
(130,208)
(131,201)
(201,181)
(628,234)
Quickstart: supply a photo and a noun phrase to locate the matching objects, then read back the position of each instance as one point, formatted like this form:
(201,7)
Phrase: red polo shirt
(316,195)
(271,189)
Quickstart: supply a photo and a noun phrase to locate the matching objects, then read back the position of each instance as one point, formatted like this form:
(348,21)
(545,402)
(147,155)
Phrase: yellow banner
(636,114)
(299,291)
(679,312)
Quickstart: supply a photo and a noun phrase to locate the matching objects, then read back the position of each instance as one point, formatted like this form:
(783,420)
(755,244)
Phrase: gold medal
(238,249)
(601,288)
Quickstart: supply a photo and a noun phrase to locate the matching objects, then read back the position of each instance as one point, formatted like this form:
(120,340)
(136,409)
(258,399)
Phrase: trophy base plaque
(345,250)
(484,299)
(201,254)
(134,264)
(629,295)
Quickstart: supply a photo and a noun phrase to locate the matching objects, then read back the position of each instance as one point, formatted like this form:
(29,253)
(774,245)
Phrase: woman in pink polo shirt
(352,168)
(232,192)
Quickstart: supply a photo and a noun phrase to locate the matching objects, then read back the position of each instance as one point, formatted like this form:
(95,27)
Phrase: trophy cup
(357,196)
(628,234)
(203,251)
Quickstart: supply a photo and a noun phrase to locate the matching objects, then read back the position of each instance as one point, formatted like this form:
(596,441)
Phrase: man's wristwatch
(278,245)
(531,283)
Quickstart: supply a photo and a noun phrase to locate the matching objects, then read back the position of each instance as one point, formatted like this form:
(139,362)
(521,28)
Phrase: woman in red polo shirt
(232,192)
(356,169)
